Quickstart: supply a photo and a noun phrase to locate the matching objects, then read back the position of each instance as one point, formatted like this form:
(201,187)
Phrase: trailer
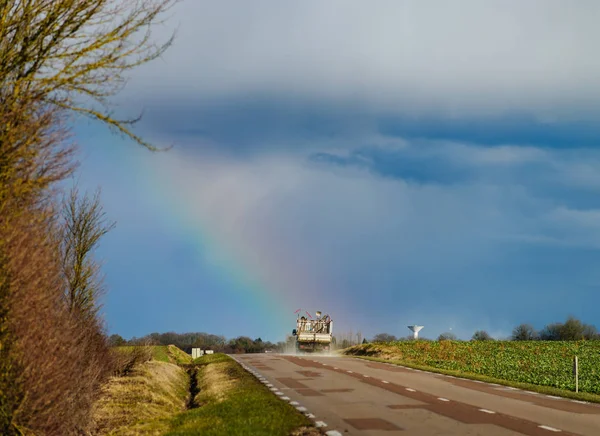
(313,334)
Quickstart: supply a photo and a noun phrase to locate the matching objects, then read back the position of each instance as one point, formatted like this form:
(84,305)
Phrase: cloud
(349,238)
(416,57)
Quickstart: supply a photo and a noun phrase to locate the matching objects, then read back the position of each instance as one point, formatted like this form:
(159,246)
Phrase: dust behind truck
(313,334)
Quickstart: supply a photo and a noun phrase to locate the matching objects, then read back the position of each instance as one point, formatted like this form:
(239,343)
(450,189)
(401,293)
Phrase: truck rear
(313,335)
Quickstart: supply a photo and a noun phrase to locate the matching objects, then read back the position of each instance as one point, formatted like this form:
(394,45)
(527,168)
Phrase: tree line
(217,343)
(572,329)
(59,60)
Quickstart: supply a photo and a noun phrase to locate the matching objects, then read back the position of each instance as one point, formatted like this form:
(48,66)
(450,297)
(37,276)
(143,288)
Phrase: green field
(534,362)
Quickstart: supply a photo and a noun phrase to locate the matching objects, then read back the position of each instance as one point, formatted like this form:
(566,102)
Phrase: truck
(313,335)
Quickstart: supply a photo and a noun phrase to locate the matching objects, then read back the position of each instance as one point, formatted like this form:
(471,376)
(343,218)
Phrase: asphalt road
(355,397)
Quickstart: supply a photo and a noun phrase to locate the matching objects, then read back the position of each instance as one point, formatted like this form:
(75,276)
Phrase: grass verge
(547,390)
(152,398)
(232,402)
(151,391)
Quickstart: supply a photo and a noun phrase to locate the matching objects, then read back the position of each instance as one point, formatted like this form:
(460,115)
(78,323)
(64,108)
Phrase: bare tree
(524,332)
(62,53)
(84,224)
(481,335)
(384,337)
(448,336)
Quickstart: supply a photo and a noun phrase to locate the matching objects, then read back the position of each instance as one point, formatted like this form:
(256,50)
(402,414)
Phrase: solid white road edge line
(443,399)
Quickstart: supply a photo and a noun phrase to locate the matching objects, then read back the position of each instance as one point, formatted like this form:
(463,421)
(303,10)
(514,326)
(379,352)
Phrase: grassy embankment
(154,399)
(545,367)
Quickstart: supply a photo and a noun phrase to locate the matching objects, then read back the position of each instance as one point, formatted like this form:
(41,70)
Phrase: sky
(389,163)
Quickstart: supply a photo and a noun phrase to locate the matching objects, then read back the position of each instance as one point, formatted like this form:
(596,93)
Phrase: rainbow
(242,273)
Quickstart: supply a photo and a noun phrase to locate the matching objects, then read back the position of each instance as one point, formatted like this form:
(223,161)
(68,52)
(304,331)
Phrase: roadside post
(576,373)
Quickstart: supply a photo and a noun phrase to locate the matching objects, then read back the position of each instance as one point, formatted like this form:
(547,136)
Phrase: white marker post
(576,373)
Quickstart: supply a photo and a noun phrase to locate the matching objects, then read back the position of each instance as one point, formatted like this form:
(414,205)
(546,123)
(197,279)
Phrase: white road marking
(335,367)
(412,390)
(320,424)
(579,402)
(487,411)
(349,372)
(545,427)
(365,376)
(273,389)
(333,433)
(553,397)
(386,382)
(443,399)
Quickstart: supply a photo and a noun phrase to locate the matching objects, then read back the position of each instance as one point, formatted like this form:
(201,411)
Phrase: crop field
(536,362)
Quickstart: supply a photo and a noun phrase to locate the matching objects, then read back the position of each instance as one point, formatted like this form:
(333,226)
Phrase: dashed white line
(320,424)
(349,372)
(365,376)
(335,367)
(443,399)
(545,427)
(491,412)
(333,433)
(384,381)
(412,390)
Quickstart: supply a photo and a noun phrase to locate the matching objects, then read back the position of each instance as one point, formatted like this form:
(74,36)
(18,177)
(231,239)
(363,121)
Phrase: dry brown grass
(152,391)
(216,381)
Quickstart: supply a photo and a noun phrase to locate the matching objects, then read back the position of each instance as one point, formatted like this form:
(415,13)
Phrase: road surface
(356,397)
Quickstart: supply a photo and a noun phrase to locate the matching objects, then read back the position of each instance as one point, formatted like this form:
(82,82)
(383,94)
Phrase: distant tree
(84,223)
(551,332)
(590,332)
(481,335)
(448,336)
(524,332)
(364,341)
(116,340)
(572,330)
(384,337)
